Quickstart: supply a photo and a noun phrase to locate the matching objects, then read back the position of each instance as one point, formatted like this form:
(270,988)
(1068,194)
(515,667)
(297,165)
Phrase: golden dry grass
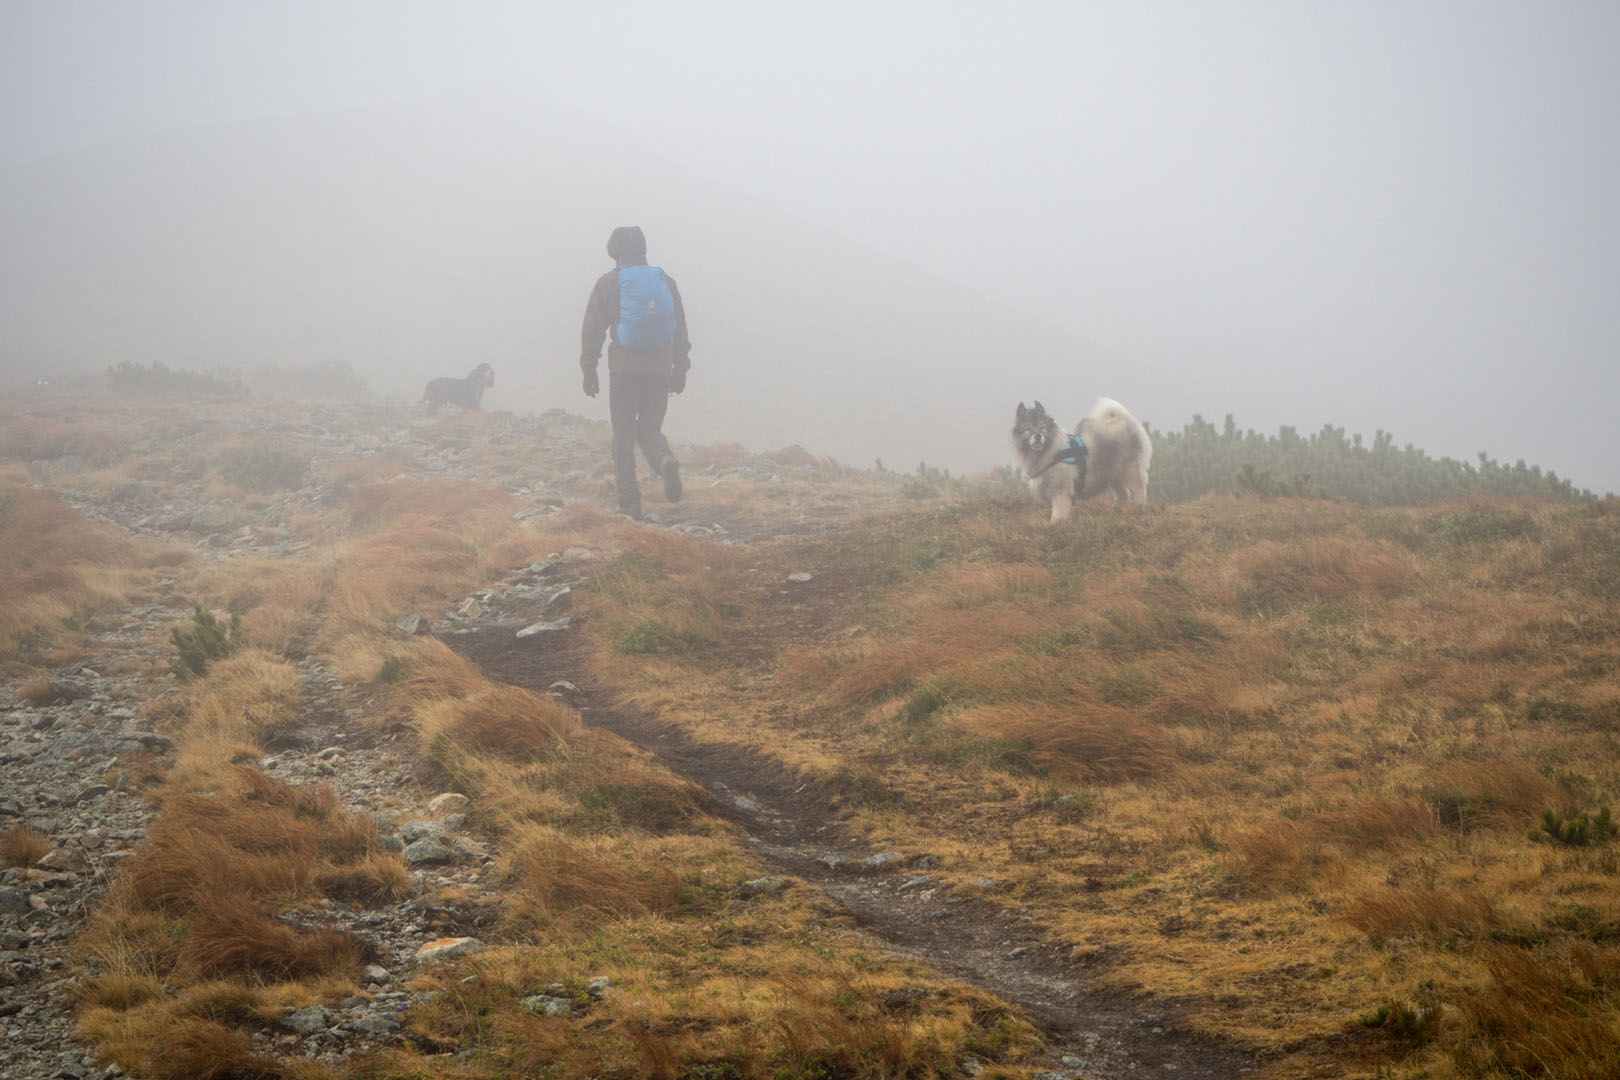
(58,571)
(1335,726)
(595,836)
(23,845)
(1277,761)
(198,904)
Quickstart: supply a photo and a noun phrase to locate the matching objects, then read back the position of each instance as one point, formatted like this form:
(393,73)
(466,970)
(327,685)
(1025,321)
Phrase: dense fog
(889,227)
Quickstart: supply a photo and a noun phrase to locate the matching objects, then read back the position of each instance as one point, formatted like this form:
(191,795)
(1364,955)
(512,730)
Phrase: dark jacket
(602,320)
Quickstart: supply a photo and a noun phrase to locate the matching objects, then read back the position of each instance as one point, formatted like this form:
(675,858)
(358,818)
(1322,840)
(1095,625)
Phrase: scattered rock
(376,1025)
(451,802)
(546,1005)
(421,829)
(428,851)
(447,948)
(800,577)
(545,627)
(411,624)
(758,887)
(306,1021)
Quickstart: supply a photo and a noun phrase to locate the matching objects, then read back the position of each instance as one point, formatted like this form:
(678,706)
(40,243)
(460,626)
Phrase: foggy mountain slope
(419,242)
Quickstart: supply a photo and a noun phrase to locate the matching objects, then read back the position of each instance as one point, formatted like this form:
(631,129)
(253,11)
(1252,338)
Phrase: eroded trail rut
(794,827)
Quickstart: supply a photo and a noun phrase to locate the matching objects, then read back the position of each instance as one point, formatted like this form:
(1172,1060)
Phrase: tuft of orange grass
(507,721)
(234,936)
(251,696)
(1441,915)
(119,991)
(1498,791)
(40,691)
(260,837)
(23,845)
(36,438)
(407,501)
(377,879)
(1077,739)
(204,1050)
(438,672)
(55,562)
(1273,575)
(1544,1012)
(557,877)
(1297,853)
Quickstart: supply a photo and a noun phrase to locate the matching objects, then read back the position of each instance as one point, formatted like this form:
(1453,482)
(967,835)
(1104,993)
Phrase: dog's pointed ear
(1022,412)
(1039,410)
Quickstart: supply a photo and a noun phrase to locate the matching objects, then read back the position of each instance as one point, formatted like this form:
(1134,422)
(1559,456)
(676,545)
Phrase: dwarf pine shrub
(208,639)
(1574,830)
(393,670)
(160,379)
(1403,1023)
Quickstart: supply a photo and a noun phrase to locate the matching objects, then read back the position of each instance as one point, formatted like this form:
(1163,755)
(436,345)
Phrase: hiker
(639,308)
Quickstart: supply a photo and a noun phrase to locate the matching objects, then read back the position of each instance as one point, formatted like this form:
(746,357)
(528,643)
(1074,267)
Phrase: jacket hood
(627,242)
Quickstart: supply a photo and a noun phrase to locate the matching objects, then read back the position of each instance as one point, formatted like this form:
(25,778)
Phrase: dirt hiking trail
(794,826)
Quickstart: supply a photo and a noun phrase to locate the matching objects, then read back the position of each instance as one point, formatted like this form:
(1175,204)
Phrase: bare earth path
(795,828)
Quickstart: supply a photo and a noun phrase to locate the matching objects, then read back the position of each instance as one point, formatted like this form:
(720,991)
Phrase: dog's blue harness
(1074,454)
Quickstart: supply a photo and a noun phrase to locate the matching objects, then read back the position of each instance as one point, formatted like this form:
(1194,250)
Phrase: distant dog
(1109,452)
(466,392)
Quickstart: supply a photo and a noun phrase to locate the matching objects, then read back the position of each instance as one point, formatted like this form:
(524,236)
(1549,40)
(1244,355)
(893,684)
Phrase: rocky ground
(75,763)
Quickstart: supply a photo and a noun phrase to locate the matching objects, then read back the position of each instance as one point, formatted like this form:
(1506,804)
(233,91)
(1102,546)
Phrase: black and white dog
(1109,452)
(466,392)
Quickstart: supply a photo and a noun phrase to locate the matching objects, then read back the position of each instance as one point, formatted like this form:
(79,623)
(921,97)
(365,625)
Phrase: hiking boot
(671,470)
(631,512)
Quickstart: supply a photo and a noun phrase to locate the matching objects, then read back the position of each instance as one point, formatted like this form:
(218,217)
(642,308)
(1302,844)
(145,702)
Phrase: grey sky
(1383,215)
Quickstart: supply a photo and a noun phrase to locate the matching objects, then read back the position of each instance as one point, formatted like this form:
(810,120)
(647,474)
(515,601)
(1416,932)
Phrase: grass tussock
(38,438)
(251,696)
(204,1050)
(1080,740)
(1467,793)
(23,845)
(197,912)
(1442,915)
(1548,1012)
(502,722)
(1274,576)
(558,878)
(59,571)
(261,838)
(236,937)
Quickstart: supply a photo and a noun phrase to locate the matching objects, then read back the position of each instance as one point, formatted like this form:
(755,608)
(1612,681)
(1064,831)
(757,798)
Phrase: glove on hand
(592,384)
(677,382)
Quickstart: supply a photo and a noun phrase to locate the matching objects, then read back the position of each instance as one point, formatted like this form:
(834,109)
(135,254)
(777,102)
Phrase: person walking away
(639,309)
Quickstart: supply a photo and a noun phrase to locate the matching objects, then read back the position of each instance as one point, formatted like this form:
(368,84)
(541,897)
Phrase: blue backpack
(646,308)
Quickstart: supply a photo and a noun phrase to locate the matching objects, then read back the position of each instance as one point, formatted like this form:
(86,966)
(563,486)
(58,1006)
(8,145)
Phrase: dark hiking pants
(636,403)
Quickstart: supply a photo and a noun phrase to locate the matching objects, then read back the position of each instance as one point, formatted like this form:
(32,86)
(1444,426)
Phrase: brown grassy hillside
(1332,783)
(1338,779)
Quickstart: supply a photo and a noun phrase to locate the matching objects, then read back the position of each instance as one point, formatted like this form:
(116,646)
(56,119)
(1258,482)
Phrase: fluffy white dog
(1109,452)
